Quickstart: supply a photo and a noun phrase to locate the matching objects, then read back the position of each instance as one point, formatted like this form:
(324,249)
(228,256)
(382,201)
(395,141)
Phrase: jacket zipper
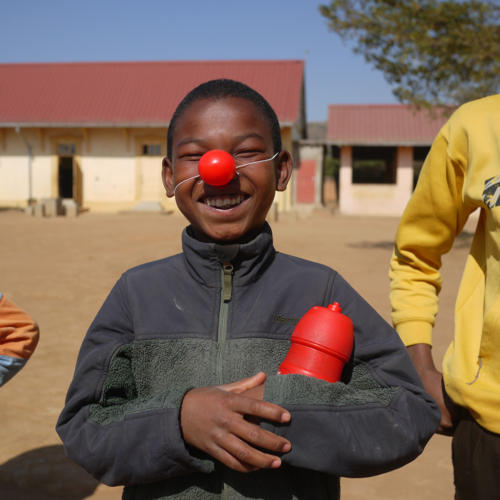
(225,297)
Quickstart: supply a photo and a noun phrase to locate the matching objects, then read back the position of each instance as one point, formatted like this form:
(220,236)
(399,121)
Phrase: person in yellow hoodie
(460,174)
(18,338)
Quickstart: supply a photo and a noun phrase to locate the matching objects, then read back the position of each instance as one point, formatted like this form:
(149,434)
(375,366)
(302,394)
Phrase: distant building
(94,133)
(380,149)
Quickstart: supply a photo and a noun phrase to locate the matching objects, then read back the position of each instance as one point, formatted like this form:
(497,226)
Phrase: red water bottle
(322,343)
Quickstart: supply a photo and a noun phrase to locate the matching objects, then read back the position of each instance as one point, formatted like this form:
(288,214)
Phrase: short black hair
(220,89)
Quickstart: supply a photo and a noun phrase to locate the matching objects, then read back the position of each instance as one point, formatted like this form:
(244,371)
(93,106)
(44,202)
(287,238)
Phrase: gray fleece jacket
(215,314)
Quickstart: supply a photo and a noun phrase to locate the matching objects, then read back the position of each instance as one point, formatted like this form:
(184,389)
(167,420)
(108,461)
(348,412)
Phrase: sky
(170,30)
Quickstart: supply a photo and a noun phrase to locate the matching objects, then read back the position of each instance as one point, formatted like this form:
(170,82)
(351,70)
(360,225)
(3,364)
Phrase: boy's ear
(167,176)
(284,169)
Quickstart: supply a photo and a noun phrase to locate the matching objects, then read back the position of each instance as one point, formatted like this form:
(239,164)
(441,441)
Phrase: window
(374,165)
(66,149)
(151,149)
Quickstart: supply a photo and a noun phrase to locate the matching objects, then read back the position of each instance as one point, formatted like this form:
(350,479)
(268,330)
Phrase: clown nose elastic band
(217,168)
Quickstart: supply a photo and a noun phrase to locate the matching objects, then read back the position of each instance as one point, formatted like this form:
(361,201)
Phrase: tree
(434,53)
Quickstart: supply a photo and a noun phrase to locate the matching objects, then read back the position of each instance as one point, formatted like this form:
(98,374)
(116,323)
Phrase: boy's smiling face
(234,211)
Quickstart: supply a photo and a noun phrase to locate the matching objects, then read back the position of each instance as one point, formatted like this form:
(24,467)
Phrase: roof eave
(386,143)
(100,124)
(82,124)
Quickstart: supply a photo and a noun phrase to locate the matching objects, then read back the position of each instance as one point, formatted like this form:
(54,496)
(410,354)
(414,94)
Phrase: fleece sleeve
(18,338)
(434,216)
(116,436)
(377,419)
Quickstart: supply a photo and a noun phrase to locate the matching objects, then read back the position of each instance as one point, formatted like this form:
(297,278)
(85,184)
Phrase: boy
(175,393)
(18,338)
(460,174)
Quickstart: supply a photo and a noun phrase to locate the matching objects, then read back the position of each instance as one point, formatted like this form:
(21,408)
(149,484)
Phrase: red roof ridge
(156,62)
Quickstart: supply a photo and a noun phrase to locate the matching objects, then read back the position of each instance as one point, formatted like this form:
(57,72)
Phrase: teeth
(225,202)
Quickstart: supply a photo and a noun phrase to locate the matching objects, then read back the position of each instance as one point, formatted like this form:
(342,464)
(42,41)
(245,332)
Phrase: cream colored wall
(115,183)
(107,160)
(148,170)
(13,179)
(14,168)
(108,168)
(42,171)
(375,199)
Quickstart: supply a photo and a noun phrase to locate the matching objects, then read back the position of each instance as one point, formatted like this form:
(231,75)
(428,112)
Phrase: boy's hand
(213,420)
(433,383)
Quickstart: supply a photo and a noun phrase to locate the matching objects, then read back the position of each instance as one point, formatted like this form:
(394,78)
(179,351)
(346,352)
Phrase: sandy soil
(60,271)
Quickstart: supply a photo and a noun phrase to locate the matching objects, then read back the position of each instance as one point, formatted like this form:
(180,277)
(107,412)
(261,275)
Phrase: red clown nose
(216,167)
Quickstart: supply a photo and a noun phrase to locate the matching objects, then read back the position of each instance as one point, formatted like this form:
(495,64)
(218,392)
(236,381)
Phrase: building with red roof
(381,125)
(94,133)
(380,149)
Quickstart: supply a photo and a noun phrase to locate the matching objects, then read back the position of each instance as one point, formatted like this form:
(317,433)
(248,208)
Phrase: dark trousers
(476,461)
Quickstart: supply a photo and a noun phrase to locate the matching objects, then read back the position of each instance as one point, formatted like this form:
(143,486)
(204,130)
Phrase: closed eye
(248,154)
(191,157)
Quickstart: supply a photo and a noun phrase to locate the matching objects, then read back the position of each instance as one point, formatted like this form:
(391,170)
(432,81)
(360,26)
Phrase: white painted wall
(107,179)
(106,158)
(42,177)
(14,167)
(13,178)
(108,166)
(375,199)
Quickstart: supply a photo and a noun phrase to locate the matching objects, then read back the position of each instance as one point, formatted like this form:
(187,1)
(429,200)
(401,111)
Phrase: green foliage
(331,167)
(433,52)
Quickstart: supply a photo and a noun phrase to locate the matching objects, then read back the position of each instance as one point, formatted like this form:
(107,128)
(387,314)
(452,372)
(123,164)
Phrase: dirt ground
(61,269)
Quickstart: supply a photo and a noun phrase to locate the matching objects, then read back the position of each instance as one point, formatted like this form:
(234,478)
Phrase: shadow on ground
(44,474)
(463,240)
(372,244)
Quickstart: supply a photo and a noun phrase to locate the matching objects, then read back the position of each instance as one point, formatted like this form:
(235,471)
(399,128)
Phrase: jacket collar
(204,260)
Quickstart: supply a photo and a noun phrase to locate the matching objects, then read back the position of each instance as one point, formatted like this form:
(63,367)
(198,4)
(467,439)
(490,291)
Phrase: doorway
(69,176)
(66,180)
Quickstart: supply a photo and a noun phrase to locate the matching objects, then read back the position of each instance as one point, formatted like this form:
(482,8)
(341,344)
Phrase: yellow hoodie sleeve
(434,216)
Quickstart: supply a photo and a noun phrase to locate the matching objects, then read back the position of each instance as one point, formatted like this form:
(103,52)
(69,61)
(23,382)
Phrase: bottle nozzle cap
(335,307)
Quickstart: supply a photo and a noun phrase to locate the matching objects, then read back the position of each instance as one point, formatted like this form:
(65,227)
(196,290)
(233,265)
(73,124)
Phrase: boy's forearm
(432,379)
(421,356)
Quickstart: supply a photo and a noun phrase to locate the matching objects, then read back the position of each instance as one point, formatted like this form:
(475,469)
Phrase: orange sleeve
(18,332)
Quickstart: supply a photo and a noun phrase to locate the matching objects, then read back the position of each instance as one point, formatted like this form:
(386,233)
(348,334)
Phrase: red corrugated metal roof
(363,124)
(134,93)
